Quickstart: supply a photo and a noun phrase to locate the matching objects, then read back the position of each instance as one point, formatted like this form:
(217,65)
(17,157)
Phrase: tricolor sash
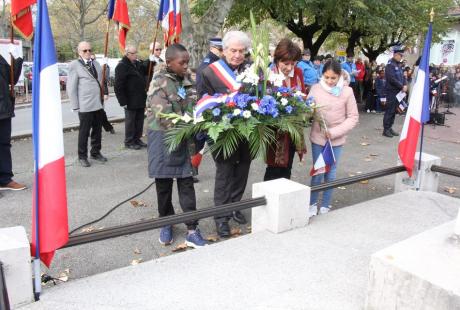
(225,75)
(209,102)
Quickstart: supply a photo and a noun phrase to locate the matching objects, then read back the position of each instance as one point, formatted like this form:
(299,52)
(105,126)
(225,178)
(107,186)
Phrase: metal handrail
(445,170)
(357,178)
(140,226)
(4,299)
(131,228)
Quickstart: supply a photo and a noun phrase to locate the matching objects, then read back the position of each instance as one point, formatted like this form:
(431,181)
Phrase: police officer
(215,52)
(395,83)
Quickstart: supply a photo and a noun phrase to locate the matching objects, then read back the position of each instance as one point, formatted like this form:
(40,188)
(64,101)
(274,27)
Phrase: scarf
(336,90)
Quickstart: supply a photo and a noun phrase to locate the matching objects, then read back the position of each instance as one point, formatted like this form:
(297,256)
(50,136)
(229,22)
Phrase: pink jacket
(340,114)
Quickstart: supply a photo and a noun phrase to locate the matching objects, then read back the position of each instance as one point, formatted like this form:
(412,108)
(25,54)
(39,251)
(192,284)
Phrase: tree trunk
(195,35)
(352,42)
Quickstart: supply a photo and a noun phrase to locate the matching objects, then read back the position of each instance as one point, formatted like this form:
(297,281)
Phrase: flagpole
(151,68)
(104,66)
(419,181)
(36,137)
(12,62)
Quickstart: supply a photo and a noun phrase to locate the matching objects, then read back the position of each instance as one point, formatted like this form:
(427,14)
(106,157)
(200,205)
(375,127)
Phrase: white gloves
(13,49)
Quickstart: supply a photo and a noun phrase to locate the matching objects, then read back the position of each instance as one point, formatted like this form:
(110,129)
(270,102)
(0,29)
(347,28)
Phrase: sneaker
(324,210)
(313,210)
(166,235)
(12,186)
(373,111)
(99,157)
(195,240)
(368,111)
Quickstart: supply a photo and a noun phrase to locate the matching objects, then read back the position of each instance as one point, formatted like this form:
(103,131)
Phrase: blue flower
(309,100)
(289,109)
(229,115)
(284,89)
(216,112)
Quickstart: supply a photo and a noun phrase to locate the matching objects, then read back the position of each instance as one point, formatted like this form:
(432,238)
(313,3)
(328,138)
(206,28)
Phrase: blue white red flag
(171,20)
(418,112)
(324,161)
(225,74)
(110,9)
(49,216)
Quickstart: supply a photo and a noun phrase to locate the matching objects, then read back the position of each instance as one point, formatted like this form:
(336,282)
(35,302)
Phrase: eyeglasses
(86,51)
(158,49)
(132,53)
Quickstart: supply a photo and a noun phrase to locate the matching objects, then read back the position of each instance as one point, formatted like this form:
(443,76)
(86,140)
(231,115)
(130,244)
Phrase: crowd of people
(340,89)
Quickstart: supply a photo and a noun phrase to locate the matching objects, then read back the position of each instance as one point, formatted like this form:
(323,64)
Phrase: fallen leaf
(63,277)
(450,190)
(351,174)
(365,143)
(234,232)
(137,251)
(102,227)
(248,229)
(373,188)
(205,190)
(181,247)
(358,172)
(341,187)
(367,159)
(364,182)
(138,203)
(88,229)
(212,238)
(389,188)
(136,261)
(373,154)
(67,270)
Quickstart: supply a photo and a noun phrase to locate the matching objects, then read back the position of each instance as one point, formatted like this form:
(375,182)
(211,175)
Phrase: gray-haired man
(84,90)
(231,173)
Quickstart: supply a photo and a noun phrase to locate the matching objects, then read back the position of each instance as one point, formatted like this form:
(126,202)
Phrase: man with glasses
(130,90)
(155,54)
(85,94)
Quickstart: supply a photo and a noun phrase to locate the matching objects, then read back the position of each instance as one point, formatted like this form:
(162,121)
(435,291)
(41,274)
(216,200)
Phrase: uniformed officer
(395,83)
(215,52)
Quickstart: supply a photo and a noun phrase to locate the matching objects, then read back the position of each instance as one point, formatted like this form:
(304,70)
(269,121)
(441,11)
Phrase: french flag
(171,20)
(324,161)
(49,213)
(418,112)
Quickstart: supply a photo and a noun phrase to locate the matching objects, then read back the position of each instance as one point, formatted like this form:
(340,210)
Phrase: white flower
(175,120)
(248,76)
(276,79)
(236,112)
(254,106)
(247,114)
(278,94)
(186,118)
(198,120)
(299,93)
(284,101)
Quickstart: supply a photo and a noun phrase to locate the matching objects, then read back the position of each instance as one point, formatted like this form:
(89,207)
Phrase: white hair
(238,36)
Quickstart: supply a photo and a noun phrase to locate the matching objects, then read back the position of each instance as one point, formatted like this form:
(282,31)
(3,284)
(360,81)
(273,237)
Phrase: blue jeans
(329,176)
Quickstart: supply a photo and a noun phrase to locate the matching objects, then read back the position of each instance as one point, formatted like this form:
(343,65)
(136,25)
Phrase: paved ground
(93,191)
(326,268)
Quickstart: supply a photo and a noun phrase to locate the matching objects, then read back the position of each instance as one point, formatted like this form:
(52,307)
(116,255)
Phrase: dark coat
(209,59)
(130,79)
(213,85)
(6,103)
(394,77)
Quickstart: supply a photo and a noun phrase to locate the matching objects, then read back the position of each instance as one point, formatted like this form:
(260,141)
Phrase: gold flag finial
(431,15)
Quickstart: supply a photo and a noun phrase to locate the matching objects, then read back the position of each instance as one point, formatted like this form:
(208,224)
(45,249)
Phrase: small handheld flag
(324,161)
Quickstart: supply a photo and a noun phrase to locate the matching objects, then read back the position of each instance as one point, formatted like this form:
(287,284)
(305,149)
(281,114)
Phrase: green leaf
(215,130)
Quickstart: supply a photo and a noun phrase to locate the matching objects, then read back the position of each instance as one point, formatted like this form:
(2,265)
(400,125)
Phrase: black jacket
(6,103)
(209,59)
(130,83)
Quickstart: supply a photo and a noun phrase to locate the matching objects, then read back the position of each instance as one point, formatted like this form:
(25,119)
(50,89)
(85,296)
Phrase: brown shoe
(12,186)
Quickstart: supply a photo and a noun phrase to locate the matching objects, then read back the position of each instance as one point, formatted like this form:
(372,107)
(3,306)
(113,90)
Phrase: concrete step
(321,266)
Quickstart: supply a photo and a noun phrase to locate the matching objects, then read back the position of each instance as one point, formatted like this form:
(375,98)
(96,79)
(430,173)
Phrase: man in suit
(84,90)
(130,91)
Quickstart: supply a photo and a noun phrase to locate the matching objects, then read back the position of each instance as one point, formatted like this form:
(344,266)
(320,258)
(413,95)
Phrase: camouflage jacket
(168,93)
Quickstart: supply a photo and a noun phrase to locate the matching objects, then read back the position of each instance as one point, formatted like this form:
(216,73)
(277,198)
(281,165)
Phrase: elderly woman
(336,116)
(281,155)
(171,92)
